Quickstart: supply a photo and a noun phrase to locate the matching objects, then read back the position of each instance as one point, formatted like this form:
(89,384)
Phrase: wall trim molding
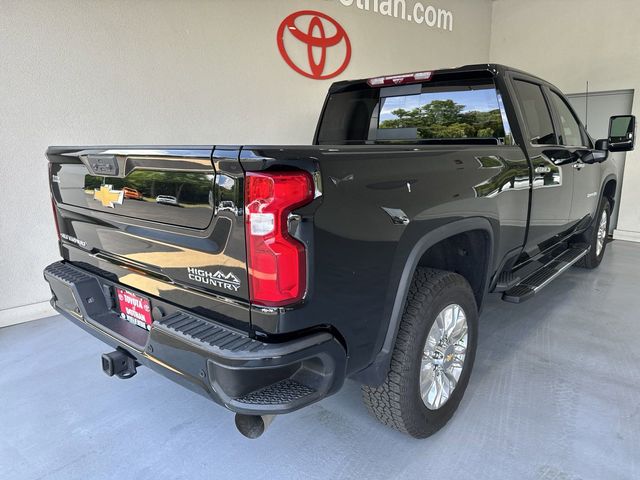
(626,235)
(26,313)
(627,91)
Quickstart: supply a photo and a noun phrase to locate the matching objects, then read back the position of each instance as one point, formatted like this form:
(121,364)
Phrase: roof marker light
(401,79)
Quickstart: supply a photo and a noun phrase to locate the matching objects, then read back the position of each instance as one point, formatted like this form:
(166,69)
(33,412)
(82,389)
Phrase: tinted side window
(536,113)
(571,134)
(347,117)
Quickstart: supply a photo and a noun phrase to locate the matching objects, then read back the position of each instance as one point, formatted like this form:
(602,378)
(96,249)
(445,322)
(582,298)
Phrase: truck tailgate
(160,218)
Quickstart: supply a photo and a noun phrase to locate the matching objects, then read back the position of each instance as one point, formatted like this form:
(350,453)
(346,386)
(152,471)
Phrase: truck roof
(492,68)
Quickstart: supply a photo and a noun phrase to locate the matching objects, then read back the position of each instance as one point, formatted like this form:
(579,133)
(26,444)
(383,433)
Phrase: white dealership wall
(569,42)
(165,72)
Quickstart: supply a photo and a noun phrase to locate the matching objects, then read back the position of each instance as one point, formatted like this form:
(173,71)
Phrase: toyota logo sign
(316,45)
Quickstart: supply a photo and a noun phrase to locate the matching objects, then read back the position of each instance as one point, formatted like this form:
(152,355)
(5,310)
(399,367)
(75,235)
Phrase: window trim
(518,78)
(583,133)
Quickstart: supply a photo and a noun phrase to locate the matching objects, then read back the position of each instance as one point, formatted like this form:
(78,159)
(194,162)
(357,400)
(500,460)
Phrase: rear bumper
(241,373)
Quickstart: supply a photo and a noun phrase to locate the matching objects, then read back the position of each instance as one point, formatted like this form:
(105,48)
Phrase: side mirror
(561,156)
(593,156)
(602,144)
(622,133)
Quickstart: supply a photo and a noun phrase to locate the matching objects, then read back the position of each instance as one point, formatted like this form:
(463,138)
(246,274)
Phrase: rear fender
(375,373)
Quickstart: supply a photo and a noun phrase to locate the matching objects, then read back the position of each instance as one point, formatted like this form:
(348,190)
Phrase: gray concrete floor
(555,395)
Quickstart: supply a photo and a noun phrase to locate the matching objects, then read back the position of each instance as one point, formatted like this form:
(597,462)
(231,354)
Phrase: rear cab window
(447,111)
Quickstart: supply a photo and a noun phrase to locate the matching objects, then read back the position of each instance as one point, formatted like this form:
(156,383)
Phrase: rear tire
(596,236)
(398,402)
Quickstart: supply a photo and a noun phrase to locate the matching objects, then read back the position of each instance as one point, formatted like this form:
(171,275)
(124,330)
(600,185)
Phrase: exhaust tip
(253,426)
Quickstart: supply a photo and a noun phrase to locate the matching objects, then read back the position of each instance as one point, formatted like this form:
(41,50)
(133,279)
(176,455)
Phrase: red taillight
(276,260)
(400,79)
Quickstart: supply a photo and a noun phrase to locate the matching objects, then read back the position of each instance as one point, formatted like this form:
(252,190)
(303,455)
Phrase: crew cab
(367,255)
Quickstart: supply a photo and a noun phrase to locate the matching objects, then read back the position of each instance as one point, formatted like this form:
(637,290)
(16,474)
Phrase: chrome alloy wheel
(602,233)
(443,356)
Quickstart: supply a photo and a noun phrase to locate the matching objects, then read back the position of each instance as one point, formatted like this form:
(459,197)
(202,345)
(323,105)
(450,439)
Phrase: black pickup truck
(264,276)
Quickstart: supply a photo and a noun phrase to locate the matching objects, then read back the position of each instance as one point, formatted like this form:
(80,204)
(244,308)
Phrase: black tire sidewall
(429,420)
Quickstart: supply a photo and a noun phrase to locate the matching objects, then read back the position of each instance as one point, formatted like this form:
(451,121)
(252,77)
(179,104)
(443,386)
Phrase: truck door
(586,177)
(552,175)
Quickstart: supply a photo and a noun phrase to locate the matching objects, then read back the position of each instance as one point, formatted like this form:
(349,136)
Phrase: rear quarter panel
(358,254)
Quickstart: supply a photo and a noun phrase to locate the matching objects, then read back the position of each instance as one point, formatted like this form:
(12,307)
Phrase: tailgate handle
(102,165)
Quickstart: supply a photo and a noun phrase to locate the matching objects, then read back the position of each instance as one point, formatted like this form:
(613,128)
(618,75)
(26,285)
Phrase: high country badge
(107,196)
(218,279)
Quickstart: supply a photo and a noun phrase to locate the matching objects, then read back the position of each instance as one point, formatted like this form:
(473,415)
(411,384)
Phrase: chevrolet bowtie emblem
(107,196)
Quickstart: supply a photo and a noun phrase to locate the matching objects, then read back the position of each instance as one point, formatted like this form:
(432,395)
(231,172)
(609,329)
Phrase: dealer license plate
(134,308)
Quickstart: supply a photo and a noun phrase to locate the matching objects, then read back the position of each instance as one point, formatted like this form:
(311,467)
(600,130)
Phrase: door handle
(579,165)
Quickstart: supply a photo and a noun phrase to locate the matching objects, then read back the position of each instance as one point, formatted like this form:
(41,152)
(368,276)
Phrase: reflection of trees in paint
(187,187)
(446,119)
(508,176)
